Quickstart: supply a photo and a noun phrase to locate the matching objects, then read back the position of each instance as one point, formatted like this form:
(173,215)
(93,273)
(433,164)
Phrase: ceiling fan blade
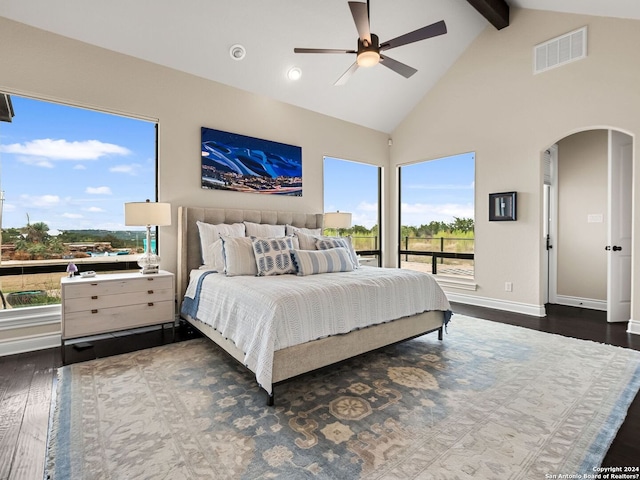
(433,30)
(405,70)
(347,75)
(360,13)
(321,50)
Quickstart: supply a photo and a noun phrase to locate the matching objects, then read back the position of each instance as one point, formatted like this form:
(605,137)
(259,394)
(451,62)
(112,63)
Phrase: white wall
(491,103)
(582,191)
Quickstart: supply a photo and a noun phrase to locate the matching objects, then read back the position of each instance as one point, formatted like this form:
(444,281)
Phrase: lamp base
(148,269)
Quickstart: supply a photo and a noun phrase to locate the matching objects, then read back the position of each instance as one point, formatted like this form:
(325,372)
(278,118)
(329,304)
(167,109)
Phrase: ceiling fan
(369,49)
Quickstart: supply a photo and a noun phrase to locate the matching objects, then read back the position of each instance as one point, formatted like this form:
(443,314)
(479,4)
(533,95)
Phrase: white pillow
(238,256)
(312,262)
(325,243)
(307,241)
(273,255)
(291,230)
(209,233)
(264,230)
(215,252)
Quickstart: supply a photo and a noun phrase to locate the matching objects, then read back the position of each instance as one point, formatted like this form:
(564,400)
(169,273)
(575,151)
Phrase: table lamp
(148,214)
(338,220)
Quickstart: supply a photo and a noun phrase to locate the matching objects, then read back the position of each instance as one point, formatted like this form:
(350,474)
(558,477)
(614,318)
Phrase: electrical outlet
(508,287)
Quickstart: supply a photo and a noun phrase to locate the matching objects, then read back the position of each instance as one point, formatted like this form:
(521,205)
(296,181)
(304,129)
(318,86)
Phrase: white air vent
(566,48)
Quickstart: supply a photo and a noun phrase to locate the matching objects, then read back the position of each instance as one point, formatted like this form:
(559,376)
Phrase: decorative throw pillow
(238,256)
(273,255)
(325,243)
(209,233)
(312,262)
(307,241)
(264,230)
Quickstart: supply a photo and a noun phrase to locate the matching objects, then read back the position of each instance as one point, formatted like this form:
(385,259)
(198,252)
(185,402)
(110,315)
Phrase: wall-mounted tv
(245,164)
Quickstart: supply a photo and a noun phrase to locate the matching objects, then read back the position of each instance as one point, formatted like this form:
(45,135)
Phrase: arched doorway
(587,222)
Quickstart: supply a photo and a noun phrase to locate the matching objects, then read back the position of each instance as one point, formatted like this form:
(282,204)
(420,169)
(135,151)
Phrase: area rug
(490,401)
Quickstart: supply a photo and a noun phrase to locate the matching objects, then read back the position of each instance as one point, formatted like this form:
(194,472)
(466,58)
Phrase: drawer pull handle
(94,297)
(150,304)
(150,292)
(93,284)
(94,311)
(150,279)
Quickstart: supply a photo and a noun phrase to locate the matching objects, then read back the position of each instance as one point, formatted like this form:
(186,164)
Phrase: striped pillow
(311,262)
(325,243)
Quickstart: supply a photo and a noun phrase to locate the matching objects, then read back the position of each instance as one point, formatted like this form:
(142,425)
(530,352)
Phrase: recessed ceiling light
(294,73)
(237,52)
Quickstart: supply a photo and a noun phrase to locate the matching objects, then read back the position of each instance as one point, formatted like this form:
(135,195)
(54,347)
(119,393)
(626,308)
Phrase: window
(65,174)
(354,188)
(437,216)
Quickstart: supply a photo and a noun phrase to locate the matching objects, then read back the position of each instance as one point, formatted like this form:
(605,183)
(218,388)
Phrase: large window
(65,174)
(437,216)
(354,187)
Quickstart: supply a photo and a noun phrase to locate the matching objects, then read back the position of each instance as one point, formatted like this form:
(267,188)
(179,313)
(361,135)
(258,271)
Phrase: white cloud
(38,201)
(367,207)
(36,161)
(94,210)
(71,215)
(421,214)
(132,169)
(98,190)
(64,150)
(419,186)
(79,167)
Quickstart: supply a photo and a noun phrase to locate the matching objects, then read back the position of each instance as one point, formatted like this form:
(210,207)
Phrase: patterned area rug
(490,401)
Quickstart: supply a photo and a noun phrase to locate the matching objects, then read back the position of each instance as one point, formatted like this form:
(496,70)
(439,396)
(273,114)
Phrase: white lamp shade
(147,213)
(337,220)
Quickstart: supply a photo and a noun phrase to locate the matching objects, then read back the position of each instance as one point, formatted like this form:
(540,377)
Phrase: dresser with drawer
(112,302)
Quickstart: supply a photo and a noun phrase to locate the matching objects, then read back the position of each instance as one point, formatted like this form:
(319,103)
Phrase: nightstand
(112,302)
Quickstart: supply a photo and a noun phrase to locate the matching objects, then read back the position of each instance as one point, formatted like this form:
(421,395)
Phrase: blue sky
(73,168)
(438,190)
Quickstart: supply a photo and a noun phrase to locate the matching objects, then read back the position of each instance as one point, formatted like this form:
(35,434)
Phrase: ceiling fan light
(368,58)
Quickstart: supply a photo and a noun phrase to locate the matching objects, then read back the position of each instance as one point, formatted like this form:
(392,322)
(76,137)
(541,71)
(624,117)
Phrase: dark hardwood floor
(26,382)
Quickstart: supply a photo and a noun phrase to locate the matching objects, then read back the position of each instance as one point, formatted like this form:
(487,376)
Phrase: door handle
(616,248)
(607,248)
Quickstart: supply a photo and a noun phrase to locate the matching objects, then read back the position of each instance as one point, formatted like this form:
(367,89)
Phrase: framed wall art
(502,206)
(245,164)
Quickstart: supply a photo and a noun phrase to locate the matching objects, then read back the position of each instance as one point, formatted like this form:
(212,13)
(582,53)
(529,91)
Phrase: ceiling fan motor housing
(365,46)
(368,53)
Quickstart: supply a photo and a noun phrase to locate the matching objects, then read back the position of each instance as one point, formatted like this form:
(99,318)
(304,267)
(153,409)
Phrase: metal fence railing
(454,255)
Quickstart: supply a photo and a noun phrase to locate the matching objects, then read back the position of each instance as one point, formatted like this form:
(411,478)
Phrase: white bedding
(263,314)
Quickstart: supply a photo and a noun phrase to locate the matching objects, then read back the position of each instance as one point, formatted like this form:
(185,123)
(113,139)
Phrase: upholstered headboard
(189,255)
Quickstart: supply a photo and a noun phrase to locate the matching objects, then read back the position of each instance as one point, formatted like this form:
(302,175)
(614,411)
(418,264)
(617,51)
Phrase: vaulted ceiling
(196,36)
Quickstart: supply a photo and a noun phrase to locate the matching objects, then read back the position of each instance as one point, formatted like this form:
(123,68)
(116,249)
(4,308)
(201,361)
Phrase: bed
(213,302)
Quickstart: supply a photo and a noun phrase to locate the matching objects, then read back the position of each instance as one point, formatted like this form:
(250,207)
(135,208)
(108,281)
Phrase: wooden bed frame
(298,359)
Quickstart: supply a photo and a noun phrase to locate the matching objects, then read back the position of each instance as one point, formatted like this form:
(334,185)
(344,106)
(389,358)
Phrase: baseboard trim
(633,327)
(515,307)
(581,302)
(29,343)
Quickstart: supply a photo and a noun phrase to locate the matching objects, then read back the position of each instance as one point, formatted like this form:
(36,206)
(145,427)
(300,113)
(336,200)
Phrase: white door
(619,236)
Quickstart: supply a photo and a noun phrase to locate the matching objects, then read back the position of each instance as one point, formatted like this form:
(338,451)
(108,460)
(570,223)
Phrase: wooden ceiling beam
(496,11)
